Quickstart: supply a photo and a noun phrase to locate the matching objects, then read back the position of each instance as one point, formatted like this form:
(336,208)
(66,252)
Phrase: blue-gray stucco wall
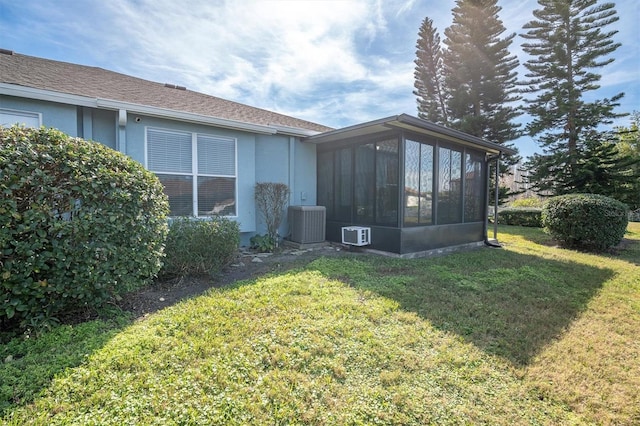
(260,158)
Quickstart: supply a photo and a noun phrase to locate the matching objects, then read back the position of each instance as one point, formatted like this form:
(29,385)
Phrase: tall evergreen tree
(480,72)
(429,78)
(628,142)
(567,41)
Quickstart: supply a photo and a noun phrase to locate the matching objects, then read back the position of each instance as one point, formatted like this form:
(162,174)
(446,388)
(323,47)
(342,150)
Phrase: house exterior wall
(284,159)
(60,116)
(260,158)
(103,126)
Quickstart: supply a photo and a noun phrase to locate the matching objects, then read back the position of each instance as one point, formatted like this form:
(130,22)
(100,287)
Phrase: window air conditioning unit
(356,235)
(307,224)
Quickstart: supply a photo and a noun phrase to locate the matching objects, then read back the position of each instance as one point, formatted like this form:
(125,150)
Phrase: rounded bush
(585,221)
(200,246)
(80,224)
(528,202)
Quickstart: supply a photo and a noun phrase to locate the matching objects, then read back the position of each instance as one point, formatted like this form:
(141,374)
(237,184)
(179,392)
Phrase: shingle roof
(93,82)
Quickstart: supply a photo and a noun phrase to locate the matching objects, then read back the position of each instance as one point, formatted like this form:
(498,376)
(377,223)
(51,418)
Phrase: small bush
(527,202)
(80,224)
(271,199)
(264,243)
(521,217)
(196,247)
(585,221)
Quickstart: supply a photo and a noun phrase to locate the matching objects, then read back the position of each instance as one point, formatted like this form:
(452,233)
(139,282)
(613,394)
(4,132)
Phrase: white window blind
(169,152)
(216,156)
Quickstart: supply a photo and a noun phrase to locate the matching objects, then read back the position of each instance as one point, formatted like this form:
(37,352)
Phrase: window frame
(195,173)
(20,113)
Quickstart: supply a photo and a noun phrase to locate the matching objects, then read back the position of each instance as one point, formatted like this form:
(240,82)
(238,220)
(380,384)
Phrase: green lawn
(528,334)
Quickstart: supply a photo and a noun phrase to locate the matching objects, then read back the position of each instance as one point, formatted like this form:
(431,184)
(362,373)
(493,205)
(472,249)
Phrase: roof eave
(407,122)
(66,98)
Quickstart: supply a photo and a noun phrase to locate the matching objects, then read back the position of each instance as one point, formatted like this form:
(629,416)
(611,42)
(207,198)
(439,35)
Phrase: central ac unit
(307,224)
(356,235)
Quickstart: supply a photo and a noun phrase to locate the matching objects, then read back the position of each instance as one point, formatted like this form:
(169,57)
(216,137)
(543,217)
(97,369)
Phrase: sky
(333,62)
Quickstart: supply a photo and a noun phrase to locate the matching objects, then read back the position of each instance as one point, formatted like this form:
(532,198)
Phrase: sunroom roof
(413,124)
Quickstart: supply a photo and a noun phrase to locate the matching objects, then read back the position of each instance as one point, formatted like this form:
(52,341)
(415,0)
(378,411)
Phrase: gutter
(114,105)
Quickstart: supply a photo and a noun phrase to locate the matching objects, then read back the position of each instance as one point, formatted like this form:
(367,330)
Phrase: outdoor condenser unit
(356,235)
(307,224)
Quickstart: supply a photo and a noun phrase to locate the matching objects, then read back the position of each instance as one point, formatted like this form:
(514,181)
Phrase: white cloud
(336,62)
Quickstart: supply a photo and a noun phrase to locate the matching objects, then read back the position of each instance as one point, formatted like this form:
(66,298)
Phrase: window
(363,176)
(418,182)
(474,188)
(325,182)
(10,117)
(359,184)
(449,186)
(342,178)
(387,182)
(198,171)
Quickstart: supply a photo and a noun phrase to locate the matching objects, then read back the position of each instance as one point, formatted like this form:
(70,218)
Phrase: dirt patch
(247,265)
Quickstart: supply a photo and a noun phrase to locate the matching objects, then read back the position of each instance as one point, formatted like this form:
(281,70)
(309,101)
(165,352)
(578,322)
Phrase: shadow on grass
(505,303)
(28,365)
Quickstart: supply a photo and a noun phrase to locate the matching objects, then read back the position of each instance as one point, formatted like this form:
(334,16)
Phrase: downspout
(292,165)
(497,199)
(122,131)
(485,230)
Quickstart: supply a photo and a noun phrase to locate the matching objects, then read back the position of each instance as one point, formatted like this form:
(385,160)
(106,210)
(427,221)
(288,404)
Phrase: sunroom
(415,185)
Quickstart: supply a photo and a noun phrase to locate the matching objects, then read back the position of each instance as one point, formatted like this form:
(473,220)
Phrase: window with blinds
(198,171)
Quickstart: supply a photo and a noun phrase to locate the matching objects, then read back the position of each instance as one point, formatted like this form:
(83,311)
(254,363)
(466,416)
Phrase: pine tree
(480,72)
(567,42)
(627,140)
(600,168)
(429,77)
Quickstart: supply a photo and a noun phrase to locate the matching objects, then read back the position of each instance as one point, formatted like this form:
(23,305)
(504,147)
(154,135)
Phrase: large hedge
(585,221)
(521,216)
(80,224)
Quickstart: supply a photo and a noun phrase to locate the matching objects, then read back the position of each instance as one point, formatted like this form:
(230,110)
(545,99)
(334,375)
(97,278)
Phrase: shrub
(200,246)
(80,224)
(271,199)
(634,216)
(263,243)
(527,202)
(521,217)
(586,221)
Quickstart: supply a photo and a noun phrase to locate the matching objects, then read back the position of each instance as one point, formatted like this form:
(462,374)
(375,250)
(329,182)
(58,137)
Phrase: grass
(529,334)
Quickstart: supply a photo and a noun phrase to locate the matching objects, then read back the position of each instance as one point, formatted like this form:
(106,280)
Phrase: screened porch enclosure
(417,192)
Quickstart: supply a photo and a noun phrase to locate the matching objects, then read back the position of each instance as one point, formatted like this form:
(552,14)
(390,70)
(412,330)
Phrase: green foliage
(521,216)
(628,144)
(585,221)
(482,337)
(527,202)
(263,243)
(28,364)
(200,246)
(567,126)
(597,167)
(80,224)
(429,84)
(470,85)
(480,72)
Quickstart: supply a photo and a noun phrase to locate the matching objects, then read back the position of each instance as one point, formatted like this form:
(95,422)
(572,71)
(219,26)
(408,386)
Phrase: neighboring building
(419,186)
